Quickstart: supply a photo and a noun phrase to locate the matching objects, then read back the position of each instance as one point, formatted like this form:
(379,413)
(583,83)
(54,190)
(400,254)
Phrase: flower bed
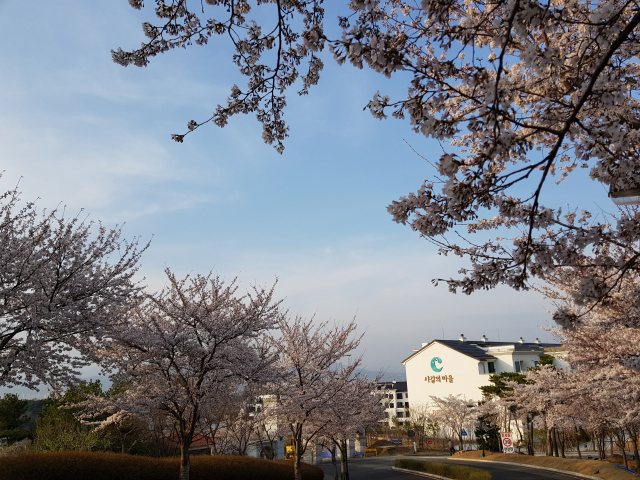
(114,466)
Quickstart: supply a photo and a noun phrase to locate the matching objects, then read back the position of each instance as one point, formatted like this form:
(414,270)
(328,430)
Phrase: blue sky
(83,132)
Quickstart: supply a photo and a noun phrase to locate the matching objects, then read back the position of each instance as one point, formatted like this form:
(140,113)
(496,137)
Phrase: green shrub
(114,466)
(457,472)
(57,430)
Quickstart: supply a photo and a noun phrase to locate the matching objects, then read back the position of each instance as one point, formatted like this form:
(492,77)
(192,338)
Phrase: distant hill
(387,376)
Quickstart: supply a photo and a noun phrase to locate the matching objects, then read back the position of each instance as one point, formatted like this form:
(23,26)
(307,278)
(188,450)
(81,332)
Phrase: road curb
(424,474)
(566,472)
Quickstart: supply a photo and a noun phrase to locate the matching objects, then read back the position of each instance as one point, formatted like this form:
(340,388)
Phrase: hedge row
(115,466)
(457,472)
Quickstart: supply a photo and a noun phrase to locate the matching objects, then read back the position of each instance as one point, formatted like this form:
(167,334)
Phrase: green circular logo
(435,360)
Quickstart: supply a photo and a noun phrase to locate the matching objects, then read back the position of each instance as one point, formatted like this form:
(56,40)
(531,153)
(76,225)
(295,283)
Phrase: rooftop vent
(484,339)
(521,340)
(537,341)
(462,338)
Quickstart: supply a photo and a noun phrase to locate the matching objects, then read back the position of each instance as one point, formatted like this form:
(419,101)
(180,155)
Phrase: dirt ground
(588,467)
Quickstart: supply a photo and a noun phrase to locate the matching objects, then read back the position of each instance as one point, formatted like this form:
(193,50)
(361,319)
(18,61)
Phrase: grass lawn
(595,468)
(116,466)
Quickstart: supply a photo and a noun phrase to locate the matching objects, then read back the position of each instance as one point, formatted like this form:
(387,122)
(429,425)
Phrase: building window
(400,415)
(519,366)
(391,405)
(492,367)
(535,363)
(481,368)
(400,404)
(399,395)
(406,404)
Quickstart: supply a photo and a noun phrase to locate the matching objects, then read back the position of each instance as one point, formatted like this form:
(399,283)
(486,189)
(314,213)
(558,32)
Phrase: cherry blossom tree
(63,283)
(313,379)
(454,413)
(182,346)
(422,421)
(597,335)
(234,419)
(521,91)
(356,406)
(544,390)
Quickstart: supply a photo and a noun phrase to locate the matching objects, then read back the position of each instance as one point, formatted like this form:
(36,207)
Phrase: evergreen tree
(498,387)
(12,412)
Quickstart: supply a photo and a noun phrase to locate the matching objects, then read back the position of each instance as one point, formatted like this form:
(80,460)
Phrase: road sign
(507,443)
(464,433)
(429,442)
(411,433)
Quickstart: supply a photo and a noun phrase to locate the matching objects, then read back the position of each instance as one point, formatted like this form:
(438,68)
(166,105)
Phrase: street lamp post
(625,197)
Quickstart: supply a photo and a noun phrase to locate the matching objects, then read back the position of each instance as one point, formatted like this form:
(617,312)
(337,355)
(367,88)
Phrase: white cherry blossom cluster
(314,385)
(295,35)
(64,282)
(522,91)
(184,349)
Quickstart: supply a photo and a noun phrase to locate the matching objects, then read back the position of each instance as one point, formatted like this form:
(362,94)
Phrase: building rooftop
(480,350)
(399,386)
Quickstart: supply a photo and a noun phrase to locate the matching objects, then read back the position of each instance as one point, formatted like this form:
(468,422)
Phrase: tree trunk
(602,446)
(549,443)
(624,458)
(297,454)
(333,461)
(622,440)
(555,442)
(578,442)
(562,440)
(634,439)
(531,444)
(185,461)
(611,444)
(344,453)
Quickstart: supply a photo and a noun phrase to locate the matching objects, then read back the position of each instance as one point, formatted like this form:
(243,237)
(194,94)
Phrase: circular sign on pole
(507,443)
(411,433)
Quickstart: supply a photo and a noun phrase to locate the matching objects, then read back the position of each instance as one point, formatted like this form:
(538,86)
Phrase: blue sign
(435,360)
(464,433)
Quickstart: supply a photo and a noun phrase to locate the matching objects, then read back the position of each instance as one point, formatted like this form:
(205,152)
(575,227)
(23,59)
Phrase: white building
(459,367)
(397,396)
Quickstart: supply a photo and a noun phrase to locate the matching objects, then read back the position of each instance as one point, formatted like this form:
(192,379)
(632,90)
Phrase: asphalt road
(379,468)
